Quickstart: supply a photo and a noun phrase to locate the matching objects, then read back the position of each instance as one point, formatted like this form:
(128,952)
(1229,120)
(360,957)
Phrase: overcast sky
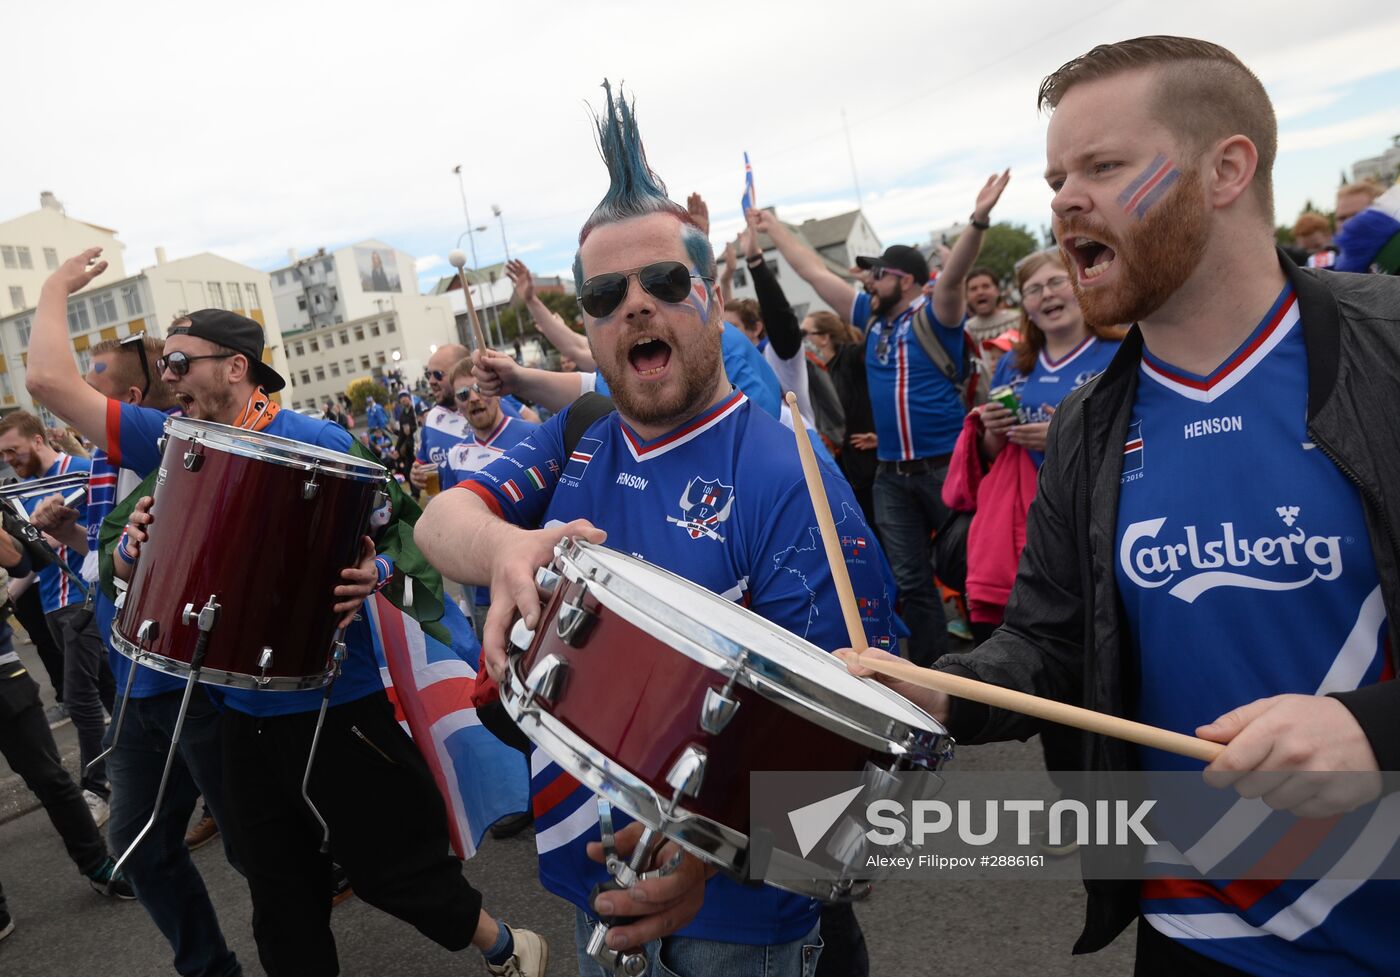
(250,128)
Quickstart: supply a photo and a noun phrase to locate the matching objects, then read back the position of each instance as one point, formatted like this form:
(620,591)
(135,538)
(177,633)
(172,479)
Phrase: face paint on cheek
(1149,186)
(701,299)
(99,368)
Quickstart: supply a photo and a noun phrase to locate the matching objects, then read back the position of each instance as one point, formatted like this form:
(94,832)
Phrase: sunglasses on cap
(668,281)
(138,340)
(179,363)
(464,394)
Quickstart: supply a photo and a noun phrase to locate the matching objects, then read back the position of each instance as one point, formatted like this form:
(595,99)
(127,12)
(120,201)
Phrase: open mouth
(649,357)
(1051,307)
(1092,258)
(185,401)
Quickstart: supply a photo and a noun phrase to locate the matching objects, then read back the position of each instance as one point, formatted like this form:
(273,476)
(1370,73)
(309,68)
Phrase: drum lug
(546,679)
(574,620)
(194,460)
(309,488)
(687,773)
(160,444)
(148,632)
(264,663)
(521,637)
(717,710)
(120,602)
(546,579)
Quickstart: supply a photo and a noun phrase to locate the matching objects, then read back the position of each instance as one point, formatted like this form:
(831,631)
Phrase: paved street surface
(64,929)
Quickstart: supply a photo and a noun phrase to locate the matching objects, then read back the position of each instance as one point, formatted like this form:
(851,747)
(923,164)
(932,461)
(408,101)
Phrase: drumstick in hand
(966,688)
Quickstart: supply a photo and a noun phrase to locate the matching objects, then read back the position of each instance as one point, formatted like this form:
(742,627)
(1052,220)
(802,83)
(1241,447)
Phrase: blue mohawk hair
(633,189)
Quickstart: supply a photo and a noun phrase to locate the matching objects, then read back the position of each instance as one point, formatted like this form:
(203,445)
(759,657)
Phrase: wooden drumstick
(830,541)
(966,688)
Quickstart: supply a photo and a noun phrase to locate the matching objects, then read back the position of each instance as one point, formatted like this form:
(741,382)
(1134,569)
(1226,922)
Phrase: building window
(359,333)
(328,265)
(78,317)
(314,346)
(235,296)
(364,362)
(338,321)
(330,341)
(253,296)
(335,295)
(374,329)
(277,278)
(104,308)
(25,261)
(389,325)
(305,378)
(349,366)
(84,358)
(344,335)
(216,296)
(379,358)
(5,388)
(7,254)
(335,369)
(741,277)
(298,349)
(16,297)
(51,258)
(131,298)
(301,302)
(320,373)
(22,326)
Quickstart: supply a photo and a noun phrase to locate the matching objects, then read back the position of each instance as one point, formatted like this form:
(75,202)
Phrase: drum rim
(275,449)
(876,729)
(216,676)
(703,837)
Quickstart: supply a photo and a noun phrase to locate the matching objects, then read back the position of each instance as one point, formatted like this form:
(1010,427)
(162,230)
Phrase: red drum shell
(240,529)
(638,701)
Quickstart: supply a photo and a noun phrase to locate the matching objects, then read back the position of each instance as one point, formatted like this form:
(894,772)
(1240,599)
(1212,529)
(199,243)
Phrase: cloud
(1380,124)
(428,262)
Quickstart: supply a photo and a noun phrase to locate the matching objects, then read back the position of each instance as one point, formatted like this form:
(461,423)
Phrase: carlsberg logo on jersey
(1207,558)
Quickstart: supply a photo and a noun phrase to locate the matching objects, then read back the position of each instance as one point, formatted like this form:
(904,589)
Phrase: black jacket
(1065,634)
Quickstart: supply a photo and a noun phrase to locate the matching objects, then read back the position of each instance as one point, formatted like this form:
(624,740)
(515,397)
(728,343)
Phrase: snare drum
(263,524)
(663,697)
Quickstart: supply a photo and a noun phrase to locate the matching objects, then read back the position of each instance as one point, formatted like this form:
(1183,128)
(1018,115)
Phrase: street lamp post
(468,233)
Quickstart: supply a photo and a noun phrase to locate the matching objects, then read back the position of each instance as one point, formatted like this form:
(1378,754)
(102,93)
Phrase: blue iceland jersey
(58,589)
(918,413)
(1049,380)
(1246,571)
(720,501)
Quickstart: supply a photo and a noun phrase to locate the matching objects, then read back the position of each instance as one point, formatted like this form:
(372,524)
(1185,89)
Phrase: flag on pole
(430,683)
(750,200)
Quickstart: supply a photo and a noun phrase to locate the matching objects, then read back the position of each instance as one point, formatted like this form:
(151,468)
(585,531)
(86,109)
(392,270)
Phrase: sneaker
(204,831)
(512,824)
(529,960)
(108,881)
(57,715)
(958,628)
(99,808)
(7,927)
(340,885)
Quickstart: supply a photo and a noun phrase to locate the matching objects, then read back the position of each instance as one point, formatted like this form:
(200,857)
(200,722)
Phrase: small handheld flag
(750,200)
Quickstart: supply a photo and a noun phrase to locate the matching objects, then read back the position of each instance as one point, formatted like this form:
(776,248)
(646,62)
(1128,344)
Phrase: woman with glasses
(1058,352)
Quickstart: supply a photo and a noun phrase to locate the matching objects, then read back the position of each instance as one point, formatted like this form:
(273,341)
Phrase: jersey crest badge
(704,505)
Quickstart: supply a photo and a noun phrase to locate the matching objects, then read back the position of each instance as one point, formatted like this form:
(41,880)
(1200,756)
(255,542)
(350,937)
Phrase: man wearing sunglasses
(918,409)
(212,360)
(687,474)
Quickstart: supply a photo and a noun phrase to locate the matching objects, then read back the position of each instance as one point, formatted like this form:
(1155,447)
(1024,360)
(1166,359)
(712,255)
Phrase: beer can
(1006,396)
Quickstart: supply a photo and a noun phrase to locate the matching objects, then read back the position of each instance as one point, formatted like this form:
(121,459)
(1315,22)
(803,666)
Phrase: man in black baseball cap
(899,257)
(236,334)
(213,363)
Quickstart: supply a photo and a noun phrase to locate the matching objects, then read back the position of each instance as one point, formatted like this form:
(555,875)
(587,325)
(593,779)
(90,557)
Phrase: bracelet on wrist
(980,225)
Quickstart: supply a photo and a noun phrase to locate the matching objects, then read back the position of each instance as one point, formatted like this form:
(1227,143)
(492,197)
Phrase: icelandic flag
(750,200)
(1133,449)
(430,683)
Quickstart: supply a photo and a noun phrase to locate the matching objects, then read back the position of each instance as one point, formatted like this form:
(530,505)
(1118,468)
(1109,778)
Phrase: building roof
(826,231)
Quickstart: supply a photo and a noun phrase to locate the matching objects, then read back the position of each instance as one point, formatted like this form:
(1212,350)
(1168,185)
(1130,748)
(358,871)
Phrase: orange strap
(258,412)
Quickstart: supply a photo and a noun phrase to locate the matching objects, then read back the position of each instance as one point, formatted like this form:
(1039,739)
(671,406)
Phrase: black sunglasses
(668,281)
(435,374)
(138,339)
(179,363)
(464,394)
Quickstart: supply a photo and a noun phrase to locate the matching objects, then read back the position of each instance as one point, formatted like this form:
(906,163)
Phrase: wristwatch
(980,225)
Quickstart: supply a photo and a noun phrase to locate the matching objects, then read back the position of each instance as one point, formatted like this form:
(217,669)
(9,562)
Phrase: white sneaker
(530,958)
(99,808)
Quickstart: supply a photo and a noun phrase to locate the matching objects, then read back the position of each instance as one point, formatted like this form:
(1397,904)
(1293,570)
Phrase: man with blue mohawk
(653,316)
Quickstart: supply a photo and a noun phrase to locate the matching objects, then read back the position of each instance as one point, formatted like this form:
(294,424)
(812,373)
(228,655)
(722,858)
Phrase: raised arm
(499,374)
(949,296)
(555,329)
(52,377)
(834,290)
(779,321)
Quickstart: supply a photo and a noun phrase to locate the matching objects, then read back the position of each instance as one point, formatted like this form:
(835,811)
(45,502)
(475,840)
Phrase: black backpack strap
(583,412)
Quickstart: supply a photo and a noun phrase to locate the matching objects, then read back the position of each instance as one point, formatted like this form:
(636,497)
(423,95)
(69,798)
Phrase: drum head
(772,661)
(273,449)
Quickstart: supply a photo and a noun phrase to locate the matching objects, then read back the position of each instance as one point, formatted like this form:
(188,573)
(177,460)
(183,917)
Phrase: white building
(114,306)
(492,294)
(325,359)
(1384,169)
(839,240)
(32,245)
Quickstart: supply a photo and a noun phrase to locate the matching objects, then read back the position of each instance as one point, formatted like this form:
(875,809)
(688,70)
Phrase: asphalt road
(64,929)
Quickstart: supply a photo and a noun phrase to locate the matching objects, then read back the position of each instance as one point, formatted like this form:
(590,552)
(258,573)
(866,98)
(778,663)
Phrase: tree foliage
(1003,245)
(362,389)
